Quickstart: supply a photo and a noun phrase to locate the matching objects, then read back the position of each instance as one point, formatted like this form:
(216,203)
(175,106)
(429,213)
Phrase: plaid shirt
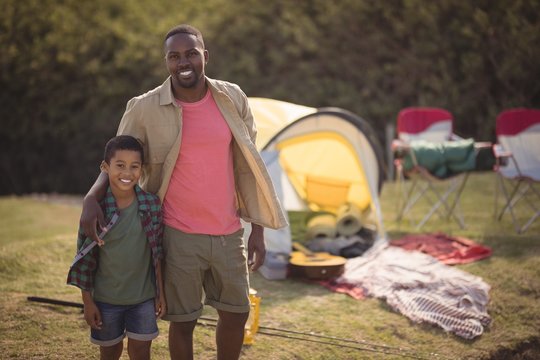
(82,273)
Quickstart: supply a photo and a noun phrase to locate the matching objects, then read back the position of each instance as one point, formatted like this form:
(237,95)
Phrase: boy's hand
(161,306)
(92,315)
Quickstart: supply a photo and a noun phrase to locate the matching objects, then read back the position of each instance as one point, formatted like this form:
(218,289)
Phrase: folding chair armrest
(455,137)
(501,156)
(483,145)
(400,148)
(500,152)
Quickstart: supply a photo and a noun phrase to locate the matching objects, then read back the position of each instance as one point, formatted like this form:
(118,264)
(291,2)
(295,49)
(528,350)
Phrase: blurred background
(67,67)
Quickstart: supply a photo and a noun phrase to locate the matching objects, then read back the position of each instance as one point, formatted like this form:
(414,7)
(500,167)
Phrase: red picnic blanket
(450,250)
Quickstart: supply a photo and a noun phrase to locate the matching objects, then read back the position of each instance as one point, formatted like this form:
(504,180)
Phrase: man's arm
(92,214)
(160,302)
(256,247)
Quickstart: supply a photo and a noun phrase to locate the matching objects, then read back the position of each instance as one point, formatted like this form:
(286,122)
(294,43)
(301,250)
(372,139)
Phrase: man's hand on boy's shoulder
(91,217)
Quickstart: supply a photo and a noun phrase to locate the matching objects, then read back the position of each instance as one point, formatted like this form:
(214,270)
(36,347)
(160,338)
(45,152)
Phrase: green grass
(37,241)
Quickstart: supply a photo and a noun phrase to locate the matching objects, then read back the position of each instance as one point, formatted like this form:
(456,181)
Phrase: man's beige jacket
(155,119)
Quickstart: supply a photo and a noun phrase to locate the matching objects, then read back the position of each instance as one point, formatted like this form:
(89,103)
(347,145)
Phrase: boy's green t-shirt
(124,274)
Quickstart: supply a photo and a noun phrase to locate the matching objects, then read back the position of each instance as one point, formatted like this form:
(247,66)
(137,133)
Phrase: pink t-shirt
(201,197)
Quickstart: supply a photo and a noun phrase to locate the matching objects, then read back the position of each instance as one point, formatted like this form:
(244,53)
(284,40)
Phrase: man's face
(185,59)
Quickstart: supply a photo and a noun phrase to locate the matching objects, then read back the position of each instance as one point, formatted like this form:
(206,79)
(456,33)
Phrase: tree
(68,67)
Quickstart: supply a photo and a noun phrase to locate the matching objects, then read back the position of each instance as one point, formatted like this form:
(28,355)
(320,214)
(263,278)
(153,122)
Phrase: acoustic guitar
(314,265)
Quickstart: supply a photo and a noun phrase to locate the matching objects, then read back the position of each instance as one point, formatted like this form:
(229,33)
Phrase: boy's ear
(104,166)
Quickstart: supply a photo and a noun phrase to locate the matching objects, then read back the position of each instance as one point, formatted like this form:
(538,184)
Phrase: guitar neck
(297,246)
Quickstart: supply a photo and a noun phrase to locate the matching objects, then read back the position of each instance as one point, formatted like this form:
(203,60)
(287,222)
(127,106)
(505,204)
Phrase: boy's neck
(123,198)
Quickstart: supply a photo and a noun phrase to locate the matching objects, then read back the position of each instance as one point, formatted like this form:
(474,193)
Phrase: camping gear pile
(329,163)
(320,160)
(323,161)
(349,233)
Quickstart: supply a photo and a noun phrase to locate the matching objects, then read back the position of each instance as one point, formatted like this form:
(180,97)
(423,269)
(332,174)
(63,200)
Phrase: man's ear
(104,167)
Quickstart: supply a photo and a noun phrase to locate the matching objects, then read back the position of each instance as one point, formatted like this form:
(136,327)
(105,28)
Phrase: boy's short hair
(122,142)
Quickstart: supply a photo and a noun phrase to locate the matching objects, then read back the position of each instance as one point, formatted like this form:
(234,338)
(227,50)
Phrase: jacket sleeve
(131,124)
(157,225)
(158,228)
(247,116)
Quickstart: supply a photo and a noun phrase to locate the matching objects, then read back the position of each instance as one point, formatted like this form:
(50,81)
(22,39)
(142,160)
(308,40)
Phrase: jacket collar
(166,96)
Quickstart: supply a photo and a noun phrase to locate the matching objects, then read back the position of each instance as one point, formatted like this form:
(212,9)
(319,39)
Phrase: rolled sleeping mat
(349,219)
(321,226)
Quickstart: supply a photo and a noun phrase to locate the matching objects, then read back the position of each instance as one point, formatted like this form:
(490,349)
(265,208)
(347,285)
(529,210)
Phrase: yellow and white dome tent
(319,160)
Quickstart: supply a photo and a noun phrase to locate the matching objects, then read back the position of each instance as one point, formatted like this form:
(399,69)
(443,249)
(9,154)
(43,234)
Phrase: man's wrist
(257,229)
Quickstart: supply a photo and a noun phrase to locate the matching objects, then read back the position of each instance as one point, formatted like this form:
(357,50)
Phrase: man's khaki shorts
(198,264)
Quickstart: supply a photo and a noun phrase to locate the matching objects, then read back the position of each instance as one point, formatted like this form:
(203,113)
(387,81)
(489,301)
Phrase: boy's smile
(124,171)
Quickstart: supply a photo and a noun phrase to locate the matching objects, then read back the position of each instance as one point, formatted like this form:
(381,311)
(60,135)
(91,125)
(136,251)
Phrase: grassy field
(37,240)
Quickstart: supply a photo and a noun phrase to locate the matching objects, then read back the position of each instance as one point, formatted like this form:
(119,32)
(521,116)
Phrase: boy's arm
(91,312)
(92,214)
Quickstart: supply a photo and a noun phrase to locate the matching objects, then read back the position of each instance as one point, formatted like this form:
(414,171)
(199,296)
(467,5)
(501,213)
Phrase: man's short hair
(122,142)
(185,29)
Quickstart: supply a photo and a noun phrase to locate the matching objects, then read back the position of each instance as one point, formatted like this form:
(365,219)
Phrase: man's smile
(185,73)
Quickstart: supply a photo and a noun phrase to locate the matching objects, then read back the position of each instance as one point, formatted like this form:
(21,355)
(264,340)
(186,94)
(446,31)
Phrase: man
(199,137)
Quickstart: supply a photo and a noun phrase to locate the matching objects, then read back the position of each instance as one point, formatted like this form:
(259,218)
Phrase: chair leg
(498,180)
(458,193)
(531,220)
(436,203)
(442,200)
(521,190)
(408,199)
(510,202)
(402,199)
(532,205)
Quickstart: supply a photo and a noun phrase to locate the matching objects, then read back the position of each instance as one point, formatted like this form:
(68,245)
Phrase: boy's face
(124,170)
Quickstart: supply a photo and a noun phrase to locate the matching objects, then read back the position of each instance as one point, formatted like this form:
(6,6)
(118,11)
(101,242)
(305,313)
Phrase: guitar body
(315,265)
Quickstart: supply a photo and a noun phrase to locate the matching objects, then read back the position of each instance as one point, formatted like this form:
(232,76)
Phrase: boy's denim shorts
(200,266)
(137,322)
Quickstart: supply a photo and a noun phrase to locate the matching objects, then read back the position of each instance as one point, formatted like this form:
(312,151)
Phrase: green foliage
(68,67)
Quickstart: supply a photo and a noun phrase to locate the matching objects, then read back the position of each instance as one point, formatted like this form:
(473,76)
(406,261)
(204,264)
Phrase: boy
(120,281)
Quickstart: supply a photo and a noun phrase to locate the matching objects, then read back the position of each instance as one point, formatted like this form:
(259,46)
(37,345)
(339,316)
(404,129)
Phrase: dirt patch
(526,350)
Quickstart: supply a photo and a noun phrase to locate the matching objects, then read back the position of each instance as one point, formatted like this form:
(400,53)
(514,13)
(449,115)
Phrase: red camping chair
(517,155)
(430,124)
(433,125)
